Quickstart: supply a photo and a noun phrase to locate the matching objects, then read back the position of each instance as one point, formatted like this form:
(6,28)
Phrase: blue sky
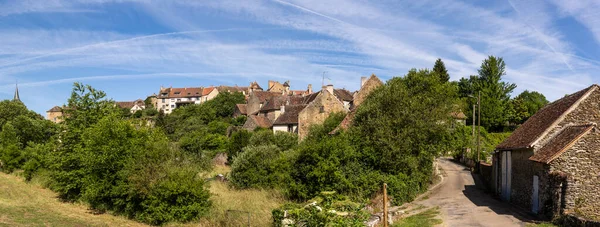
(130,48)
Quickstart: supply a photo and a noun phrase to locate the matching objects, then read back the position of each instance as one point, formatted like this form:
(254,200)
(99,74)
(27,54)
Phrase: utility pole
(479,124)
(473,123)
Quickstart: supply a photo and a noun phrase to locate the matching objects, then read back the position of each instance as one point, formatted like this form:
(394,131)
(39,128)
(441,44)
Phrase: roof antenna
(323,81)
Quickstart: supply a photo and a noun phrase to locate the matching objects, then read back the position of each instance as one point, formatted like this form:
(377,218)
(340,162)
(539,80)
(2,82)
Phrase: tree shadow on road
(479,197)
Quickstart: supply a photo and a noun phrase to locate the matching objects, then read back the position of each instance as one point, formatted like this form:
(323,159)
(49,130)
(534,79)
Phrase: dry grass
(23,204)
(240,203)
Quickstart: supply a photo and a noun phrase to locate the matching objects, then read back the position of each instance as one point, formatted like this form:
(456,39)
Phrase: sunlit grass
(424,219)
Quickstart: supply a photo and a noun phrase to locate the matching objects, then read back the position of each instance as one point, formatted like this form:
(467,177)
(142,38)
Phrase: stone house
(55,114)
(319,106)
(549,165)
(288,120)
(275,86)
(257,99)
(274,106)
(367,85)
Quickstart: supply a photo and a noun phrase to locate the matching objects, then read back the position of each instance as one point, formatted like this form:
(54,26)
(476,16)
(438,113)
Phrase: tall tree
(440,70)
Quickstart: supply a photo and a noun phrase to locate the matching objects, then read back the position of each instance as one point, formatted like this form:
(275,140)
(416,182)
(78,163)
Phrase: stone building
(367,85)
(240,110)
(55,114)
(319,106)
(549,165)
(288,120)
(257,99)
(256,121)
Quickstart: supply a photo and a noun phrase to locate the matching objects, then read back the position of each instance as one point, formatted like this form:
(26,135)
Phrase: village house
(172,98)
(240,110)
(320,105)
(132,106)
(367,85)
(549,165)
(288,120)
(55,114)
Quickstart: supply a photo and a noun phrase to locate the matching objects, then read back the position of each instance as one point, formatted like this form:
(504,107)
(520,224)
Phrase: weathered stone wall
(522,178)
(273,114)
(250,124)
(312,114)
(55,117)
(366,89)
(581,163)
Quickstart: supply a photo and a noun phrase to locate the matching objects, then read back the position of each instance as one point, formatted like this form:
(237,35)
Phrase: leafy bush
(238,140)
(10,149)
(327,209)
(261,167)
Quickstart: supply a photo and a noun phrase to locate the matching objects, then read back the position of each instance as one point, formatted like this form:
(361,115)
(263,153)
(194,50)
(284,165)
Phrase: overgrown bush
(261,167)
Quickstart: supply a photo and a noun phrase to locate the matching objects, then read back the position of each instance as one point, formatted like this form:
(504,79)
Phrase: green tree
(10,149)
(533,101)
(440,69)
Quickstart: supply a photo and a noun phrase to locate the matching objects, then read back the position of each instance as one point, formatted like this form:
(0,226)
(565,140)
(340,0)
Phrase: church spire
(17,98)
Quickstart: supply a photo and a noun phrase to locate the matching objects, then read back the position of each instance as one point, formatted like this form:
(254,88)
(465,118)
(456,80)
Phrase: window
(172,106)
(290,128)
(163,100)
(177,92)
(178,100)
(322,109)
(192,98)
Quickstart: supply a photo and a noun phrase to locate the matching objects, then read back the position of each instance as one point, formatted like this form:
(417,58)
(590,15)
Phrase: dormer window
(322,109)
(177,93)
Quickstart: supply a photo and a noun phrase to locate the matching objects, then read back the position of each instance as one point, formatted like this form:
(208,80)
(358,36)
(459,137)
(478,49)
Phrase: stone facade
(318,110)
(55,115)
(570,180)
(581,162)
(367,86)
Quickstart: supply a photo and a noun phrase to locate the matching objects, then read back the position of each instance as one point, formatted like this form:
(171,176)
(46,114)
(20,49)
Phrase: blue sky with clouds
(129,48)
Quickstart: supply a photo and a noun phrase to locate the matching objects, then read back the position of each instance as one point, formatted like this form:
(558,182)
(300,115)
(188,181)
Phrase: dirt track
(462,204)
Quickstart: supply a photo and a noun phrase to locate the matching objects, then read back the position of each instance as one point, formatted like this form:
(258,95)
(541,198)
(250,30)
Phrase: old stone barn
(551,164)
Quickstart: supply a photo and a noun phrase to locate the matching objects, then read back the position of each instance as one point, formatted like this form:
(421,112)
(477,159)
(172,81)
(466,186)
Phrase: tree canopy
(440,69)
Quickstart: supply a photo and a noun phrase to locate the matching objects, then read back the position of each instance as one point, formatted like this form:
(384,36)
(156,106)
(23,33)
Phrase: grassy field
(28,204)
(426,218)
(23,204)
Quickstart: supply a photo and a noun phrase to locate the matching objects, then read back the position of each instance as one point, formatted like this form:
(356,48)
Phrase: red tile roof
(540,122)
(207,91)
(290,116)
(560,143)
(130,104)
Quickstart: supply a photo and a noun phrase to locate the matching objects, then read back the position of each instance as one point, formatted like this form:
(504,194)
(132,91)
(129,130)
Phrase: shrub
(237,141)
(261,167)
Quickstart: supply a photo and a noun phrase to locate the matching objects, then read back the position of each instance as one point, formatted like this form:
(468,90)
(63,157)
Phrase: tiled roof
(254,85)
(181,92)
(458,115)
(541,121)
(130,104)
(55,109)
(261,121)
(343,95)
(263,96)
(275,103)
(231,89)
(290,116)
(207,91)
(560,143)
(242,108)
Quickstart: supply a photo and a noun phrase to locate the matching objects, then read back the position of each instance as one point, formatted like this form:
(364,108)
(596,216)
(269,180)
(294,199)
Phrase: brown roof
(458,115)
(275,103)
(232,88)
(309,98)
(242,108)
(560,143)
(263,96)
(537,124)
(55,109)
(343,95)
(254,85)
(181,92)
(290,116)
(130,104)
(261,121)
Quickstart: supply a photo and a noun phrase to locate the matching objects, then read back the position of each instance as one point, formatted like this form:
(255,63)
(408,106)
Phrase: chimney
(362,81)
(330,88)
(310,89)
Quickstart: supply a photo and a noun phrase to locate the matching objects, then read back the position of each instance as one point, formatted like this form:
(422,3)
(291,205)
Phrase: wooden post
(385,208)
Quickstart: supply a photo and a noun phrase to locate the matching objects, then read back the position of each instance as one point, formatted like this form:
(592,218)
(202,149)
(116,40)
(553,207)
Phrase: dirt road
(462,204)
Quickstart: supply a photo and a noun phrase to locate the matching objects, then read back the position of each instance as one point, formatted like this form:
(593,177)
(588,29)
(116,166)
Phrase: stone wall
(581,163)
(522,178)
(55,117)
(253,105)
(317,111)
(371,84)
(250,124)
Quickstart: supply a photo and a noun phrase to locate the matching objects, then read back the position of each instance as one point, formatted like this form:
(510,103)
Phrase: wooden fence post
(385,208)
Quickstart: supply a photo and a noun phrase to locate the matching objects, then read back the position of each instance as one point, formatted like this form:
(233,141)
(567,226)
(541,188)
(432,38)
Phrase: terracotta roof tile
(130,104)
(207,91)
(290,116)
(263,96)
(275,103)
(560,143)
(537,124)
